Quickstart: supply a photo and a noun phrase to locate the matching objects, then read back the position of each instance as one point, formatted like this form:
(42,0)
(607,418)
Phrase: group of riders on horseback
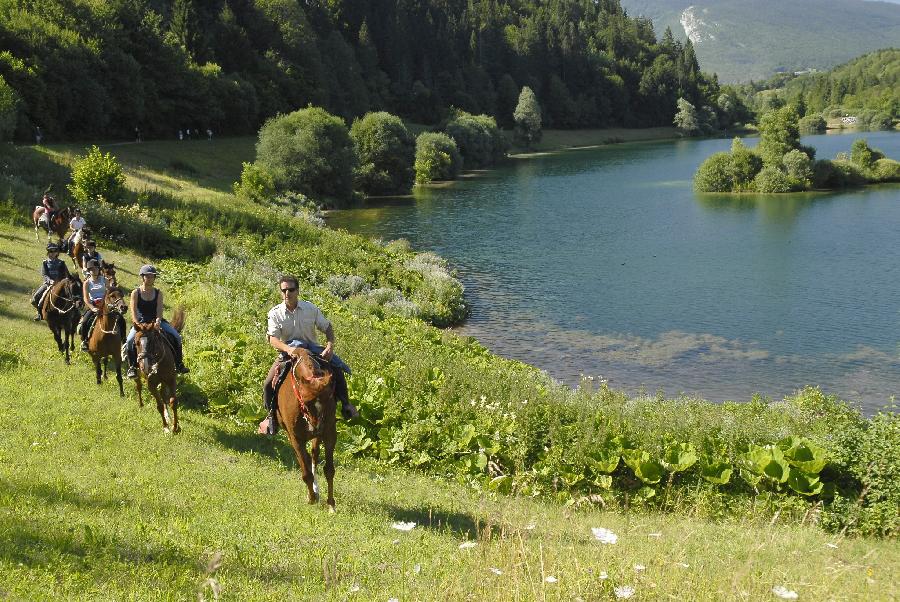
(292,324)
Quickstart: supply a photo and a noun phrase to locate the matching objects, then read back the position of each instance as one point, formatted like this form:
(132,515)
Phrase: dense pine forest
(92,68)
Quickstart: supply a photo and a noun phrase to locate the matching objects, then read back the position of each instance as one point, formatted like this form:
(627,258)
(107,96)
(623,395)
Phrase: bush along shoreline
(780,164)
(443,404)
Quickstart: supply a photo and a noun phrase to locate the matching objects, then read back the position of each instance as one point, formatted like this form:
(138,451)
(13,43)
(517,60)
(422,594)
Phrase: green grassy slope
(97,504)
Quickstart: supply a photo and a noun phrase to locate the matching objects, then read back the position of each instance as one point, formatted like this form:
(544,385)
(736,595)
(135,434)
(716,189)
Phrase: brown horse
(306,410)
(59,225)
(156,363)
(109,272)
(106,339)
(77,247)
(60,309)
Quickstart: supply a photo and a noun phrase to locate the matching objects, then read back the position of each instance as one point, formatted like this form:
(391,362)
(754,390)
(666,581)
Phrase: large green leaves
(804,454)
(803,483)
(765,461)
(717,472)
(679,457)
(644,467)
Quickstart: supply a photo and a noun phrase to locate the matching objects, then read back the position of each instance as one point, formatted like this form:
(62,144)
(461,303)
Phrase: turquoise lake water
(604,262)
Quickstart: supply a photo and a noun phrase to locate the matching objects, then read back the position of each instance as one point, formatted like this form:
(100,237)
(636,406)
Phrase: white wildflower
(530,526)
(784,593)
(417,569)
(467,545)
(496,571)
(551,579)
(683,565)
(393,600)
(654,534)
(625,591)
(832,545)
(604,535)
(604,575)
(354,588)
(401,526)
(639,567)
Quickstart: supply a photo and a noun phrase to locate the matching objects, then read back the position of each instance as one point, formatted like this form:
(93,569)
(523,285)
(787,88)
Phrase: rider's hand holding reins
(328,351)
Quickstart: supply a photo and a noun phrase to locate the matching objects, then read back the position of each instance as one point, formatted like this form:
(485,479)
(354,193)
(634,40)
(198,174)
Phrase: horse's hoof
(176,430)
(331,509)
(166,430)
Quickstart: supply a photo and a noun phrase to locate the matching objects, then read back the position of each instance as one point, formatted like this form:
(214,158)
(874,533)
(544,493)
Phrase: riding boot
(35,302)
(348,410)
(130,356)
(180,368)
(83,326)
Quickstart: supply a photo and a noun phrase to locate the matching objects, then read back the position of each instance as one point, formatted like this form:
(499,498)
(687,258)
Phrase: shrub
(745,164)
(9,110)
(862,155)
(308,151)
(772,179)
(880,121)
(779,134)
(527,118)
(798,167)
(385,152)
(97,176)
(846,174)
(812,124)
(256,184)
(346,286)
(478,138)
(437,158)
(715,174)
(887,170)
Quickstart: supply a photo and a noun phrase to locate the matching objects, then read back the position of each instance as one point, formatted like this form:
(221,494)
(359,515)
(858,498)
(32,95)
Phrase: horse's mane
(309,374)
(177,320)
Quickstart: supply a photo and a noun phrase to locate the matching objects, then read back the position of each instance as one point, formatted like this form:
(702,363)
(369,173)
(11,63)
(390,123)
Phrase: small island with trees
(781,164)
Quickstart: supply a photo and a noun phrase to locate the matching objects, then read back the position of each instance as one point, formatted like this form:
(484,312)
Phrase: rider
(89,254)
(75,224)
(147,308)
(292,324)
(50,208)
(53,269)
(94,292)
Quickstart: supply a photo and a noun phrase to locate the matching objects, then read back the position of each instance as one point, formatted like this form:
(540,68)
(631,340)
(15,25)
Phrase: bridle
(117,306)
(149,350)
(67,286)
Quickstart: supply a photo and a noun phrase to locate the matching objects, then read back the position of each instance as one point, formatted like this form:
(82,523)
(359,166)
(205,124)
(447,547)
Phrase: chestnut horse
(106,338)
(306,410)
(109,272)
(156,363)
(60,223)
(76,246)
(60,310)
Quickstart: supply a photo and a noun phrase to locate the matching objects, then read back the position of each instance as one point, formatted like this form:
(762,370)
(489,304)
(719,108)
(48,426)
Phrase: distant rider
(90,254)
(293,323)
(50,209)
(53,269)
(147,308)
(76,224)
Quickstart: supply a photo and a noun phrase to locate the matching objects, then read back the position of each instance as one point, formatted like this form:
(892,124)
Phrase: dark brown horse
(156,363)
(77,246)
(109,272)
(306,410)
(60,310)
(59,225)
(106,338)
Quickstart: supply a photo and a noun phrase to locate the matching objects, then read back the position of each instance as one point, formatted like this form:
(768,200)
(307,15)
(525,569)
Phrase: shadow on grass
(16,287)
(277,448)
(461,524)
(54,493)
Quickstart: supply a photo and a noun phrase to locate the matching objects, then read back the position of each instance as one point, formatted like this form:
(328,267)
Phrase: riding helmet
(92,263)
(148,270)
(52,247)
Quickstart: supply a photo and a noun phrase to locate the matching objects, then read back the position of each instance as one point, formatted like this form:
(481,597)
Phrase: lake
(604,262)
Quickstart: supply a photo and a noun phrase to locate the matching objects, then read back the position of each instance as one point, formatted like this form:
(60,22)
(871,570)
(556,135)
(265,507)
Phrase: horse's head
(312,386)
(149,345)
(113,301)
(109,271)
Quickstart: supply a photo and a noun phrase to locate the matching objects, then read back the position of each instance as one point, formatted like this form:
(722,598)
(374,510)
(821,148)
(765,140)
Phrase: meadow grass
(96,503)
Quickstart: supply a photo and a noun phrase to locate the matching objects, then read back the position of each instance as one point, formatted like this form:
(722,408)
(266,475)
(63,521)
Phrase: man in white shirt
(75,225)
(293,323)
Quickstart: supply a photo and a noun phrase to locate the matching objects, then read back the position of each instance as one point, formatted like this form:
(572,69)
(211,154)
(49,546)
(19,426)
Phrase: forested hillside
(82,68)
(742,41)
(868,83)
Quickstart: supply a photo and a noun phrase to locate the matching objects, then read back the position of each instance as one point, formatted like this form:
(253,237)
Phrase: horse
(156,363)
(76,246)
(106,339)
(60,309)
(109,272)
(306,411)
(59,225)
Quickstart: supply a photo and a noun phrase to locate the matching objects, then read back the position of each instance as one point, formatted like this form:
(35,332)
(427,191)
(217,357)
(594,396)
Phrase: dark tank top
(146,310)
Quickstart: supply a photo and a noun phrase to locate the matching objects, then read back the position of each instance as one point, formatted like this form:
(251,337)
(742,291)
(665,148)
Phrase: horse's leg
(173,403)
(97,368)
(160,405)
(330,436)
(314,454)
(137,385)
(303,460)
(106,368)
(117,361)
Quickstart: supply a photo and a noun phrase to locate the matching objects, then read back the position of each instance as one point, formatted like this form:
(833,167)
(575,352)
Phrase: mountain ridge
(742,42)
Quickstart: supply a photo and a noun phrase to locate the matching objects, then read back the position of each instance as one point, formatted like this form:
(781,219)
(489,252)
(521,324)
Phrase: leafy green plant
(97,175)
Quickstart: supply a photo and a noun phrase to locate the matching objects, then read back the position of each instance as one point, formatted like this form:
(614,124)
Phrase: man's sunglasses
(289,290)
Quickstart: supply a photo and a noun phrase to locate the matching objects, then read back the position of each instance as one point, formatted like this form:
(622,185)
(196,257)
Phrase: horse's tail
(177,320)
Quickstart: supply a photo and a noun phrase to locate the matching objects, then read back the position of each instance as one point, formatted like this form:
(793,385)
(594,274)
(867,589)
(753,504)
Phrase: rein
(304,409)
(69,299)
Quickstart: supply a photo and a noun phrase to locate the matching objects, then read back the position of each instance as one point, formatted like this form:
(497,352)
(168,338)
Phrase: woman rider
(147,308)
(94,291)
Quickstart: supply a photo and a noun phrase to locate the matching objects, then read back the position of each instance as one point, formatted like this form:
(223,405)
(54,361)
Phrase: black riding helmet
(53,248)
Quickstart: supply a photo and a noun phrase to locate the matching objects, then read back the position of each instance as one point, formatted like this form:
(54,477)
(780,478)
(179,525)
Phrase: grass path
(97,504)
